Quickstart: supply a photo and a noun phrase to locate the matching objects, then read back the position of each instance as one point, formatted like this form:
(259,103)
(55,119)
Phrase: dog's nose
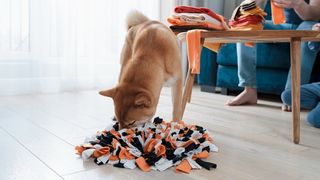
(122,125)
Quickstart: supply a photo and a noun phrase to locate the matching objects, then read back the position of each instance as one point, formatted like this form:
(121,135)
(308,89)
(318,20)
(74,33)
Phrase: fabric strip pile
(151,146)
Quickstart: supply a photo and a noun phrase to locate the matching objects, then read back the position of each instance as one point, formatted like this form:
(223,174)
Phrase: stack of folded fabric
(188,17)
(247,16)
(151,146)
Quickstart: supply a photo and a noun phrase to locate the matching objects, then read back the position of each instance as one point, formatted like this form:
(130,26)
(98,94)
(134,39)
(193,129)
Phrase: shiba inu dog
(150,59)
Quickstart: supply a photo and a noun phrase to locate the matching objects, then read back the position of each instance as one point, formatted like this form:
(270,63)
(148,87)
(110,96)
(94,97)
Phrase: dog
(150,59)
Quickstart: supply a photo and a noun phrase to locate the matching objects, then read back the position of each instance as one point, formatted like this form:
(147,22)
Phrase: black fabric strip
(157,120)
(119,165)
(190,147)
(116,126)
(201,140)
(206,149)
(248,8)
(136,143)
(206,165)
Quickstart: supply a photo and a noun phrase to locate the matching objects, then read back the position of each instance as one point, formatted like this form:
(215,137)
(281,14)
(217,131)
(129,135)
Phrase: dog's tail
(134,18)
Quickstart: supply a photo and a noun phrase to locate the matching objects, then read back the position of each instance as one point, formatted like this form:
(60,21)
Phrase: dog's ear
(108,93)
(142,100)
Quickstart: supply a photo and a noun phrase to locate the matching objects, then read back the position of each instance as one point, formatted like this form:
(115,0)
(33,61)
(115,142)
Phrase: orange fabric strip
(113,158)
(161,150)
(80,149)
(142,164)
(115,133)
(202,155)
(193,38)
(184,166)
(194,48)
(150,146)
(277,14)
(100,152)
(122,154)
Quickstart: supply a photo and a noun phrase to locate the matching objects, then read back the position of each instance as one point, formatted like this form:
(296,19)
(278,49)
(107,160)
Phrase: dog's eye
(131,123)
(140,106)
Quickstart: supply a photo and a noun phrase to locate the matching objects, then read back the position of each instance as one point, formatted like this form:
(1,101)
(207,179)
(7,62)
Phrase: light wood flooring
(38,134)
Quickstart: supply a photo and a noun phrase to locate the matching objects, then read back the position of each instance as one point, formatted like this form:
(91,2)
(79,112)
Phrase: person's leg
(310,96)
(314,116)
(308,56)
(247,69)
(247,76)
(315,46)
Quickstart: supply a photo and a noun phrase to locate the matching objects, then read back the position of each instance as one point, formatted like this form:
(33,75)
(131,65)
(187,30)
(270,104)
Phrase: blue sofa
(273,63)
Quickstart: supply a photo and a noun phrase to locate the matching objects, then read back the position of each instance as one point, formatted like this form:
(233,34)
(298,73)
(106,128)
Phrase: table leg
(187,90)
(295,47)
(186,97)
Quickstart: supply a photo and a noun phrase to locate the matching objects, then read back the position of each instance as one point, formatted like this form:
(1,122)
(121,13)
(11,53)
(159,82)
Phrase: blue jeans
(310,99)
(247,56)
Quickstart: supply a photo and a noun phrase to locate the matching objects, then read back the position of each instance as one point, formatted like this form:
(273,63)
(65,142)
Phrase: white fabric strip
(86,154)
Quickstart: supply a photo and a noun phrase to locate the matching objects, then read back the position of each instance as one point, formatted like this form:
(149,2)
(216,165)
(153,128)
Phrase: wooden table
(294,37)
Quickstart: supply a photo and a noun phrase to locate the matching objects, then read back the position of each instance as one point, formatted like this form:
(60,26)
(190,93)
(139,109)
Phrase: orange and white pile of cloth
(151,146)
(189,17)
(247,16)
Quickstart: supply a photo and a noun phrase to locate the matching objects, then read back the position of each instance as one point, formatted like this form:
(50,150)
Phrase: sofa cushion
(273,55)
(208,68)
(227,55)
(268,55)
(268,80)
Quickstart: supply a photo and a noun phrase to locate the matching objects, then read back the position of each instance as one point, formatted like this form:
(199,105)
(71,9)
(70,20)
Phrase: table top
(260,36)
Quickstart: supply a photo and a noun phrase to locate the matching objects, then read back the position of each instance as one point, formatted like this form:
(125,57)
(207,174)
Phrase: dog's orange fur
(150,57)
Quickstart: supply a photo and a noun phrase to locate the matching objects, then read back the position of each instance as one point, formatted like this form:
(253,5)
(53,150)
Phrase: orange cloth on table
(277,14)
(246,19)
(198,10)
(249,28)
(193,38)
(184,166)
(194,47)
(179,22)
(257,11)
(191,9)
(214,22)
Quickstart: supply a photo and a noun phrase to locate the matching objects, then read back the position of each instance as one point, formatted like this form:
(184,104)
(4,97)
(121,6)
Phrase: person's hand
(288,3)
(316,27)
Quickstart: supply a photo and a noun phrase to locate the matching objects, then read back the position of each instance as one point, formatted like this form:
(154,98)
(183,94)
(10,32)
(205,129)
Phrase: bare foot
(248,96)
(286,108)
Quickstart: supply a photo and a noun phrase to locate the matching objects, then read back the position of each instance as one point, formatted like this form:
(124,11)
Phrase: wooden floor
(38,134)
